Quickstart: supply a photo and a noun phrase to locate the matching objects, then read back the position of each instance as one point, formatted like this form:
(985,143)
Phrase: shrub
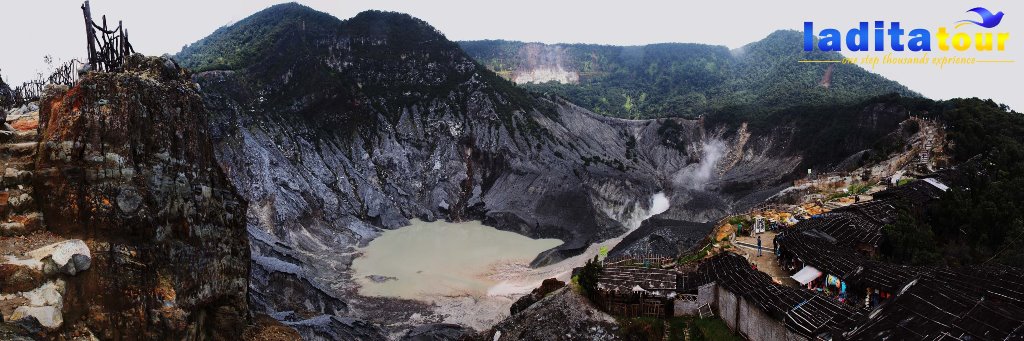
(588,276)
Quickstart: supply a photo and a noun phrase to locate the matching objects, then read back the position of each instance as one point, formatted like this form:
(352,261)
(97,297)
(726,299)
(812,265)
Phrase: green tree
(589,275)
(910,242)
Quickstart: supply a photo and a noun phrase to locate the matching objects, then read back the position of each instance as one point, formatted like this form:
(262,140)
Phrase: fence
(632,304)
(650,260)
(108,49)
(644,308)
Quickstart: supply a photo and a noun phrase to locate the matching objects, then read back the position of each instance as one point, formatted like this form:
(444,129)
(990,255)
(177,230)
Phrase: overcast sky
(35,28)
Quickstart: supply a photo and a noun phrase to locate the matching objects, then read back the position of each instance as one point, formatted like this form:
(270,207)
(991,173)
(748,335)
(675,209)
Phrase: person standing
(775,245)
(759,246)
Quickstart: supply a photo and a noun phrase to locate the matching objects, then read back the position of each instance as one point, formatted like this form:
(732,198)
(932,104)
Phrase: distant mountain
(683,80)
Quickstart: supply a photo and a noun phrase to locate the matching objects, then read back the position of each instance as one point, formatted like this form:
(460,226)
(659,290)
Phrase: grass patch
(740,219)
(641,328)
(835,196)
(860,188)
(647,328)
(711,329)
(854,189)
(693,257)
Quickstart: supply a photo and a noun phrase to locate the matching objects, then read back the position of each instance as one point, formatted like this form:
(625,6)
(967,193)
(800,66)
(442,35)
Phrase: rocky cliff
(334,130)
(125,172)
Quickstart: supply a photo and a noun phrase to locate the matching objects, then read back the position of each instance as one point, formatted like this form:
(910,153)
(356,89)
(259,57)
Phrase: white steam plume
(697,175)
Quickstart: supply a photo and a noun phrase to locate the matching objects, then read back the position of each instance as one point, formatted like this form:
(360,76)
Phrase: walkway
(767,263)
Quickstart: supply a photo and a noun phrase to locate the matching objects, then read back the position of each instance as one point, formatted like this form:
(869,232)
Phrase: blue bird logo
(988,20)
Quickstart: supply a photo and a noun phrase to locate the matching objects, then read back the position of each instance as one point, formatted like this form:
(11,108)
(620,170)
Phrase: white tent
(806,275)
(934,182)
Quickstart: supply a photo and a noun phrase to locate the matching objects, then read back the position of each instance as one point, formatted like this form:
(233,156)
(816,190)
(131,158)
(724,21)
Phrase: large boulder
(47,316)
(562,315)
(548,286)
(68,257)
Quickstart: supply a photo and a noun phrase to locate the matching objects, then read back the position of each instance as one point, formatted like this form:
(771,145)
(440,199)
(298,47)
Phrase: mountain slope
(334,130)
(339,128)
(684,80)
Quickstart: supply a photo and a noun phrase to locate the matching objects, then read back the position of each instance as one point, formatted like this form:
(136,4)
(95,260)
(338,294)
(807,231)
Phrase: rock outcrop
(546,287)
(662,236)
(36,264)
(562,315)
(125,167)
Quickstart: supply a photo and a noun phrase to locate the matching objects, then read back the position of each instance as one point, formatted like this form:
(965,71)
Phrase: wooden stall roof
(862,223)
(804,312)
(983,303)
(623,278)
(847,264)
(933,308)
(930,303)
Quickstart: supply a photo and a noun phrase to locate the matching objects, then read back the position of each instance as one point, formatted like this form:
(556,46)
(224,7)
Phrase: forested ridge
(981,219)
(689,80)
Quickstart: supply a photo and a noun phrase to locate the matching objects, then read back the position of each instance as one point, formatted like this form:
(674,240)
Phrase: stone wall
(747,319)
(705,295)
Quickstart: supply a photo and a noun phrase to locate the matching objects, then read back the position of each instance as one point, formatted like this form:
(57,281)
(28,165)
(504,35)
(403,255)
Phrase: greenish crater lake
(430,259)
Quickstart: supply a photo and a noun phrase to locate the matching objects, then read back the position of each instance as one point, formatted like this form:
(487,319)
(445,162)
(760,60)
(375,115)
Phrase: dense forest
(385,62)
(689,80)
(980,220)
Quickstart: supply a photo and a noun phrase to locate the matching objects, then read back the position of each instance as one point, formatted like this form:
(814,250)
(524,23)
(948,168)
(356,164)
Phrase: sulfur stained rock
(47,316)
(18,278)
(28,324)
(266,328)
(125,163)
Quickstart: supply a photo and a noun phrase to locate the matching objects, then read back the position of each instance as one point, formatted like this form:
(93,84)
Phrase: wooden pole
(90,35)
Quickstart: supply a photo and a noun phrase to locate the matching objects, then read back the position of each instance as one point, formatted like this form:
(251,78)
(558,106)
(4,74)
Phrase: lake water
(430,259)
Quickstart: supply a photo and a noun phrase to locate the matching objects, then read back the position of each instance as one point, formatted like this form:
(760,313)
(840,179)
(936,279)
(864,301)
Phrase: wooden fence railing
(108,49)
(651,260)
